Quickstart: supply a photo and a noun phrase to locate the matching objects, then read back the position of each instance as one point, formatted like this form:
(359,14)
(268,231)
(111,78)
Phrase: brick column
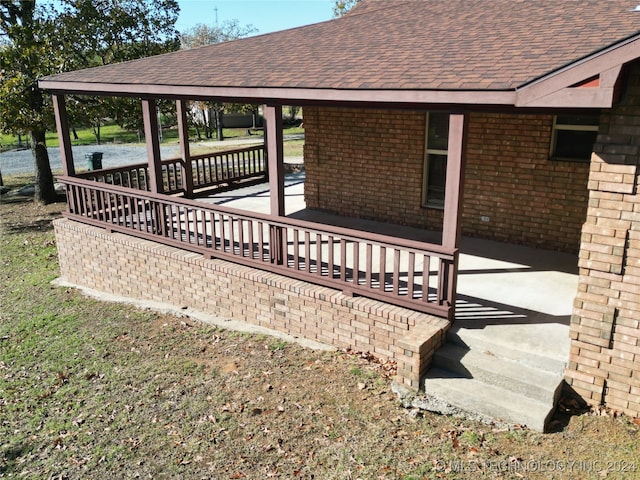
(604,365)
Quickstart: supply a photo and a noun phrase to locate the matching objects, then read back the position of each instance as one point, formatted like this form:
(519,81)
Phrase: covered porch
(155,201)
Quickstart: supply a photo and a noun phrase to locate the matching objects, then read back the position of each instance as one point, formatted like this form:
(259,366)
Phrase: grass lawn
(115,134)
(96,390)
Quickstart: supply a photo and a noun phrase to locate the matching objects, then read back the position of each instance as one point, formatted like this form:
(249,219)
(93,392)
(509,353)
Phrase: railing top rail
(347,234)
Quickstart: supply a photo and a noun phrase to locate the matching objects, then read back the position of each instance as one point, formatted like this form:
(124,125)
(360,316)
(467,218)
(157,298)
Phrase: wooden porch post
(273,117)
(453,202)
(185,154)
(151,134)
(275,158)
(62,125)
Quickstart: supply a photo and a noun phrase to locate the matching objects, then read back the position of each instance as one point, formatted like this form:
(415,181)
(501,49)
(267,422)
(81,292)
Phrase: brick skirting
(132,267)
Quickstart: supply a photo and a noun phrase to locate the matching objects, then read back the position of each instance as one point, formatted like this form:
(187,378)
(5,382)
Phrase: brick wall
(605,328)
(132,267)
(369,164)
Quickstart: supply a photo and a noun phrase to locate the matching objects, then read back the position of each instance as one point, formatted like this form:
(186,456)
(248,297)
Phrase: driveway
(21,161)
(114,155)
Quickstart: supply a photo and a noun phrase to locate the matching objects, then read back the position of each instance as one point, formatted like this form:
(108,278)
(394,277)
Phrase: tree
(202,34)
(341,7)
(23,58)
(69,35)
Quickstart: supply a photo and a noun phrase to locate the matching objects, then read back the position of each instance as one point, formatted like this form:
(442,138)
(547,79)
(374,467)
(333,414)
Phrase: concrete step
(541,346)
(513,376)
(478,399)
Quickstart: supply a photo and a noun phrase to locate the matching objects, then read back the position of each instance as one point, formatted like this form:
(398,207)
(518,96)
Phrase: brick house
(513,121)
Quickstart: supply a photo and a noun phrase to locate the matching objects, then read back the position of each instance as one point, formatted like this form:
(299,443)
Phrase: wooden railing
(399,271)
(229,166)
(209,170)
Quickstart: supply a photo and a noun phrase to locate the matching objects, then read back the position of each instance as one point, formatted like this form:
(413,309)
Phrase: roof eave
(279,95)
(556,89)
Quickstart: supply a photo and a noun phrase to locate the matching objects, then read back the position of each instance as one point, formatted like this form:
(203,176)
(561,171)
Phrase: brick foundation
(132,267)
(605,331)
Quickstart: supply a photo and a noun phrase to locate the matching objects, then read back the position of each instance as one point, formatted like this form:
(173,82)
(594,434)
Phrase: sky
(264,15)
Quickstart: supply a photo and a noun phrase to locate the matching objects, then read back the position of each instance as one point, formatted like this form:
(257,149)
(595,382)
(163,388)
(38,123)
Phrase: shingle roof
(397,45)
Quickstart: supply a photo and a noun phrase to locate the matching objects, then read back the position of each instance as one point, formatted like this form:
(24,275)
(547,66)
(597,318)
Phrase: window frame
(571,127)
(426,202)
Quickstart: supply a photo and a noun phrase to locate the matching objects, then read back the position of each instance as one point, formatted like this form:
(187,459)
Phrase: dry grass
(96,390)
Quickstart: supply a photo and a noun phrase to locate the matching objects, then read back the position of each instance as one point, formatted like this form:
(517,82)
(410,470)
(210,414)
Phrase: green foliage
(279,345)
(69,35)
(341,7)
(26,55)
(110,32)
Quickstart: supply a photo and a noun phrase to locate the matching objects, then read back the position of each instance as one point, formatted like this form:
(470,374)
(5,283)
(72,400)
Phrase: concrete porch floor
(516,295)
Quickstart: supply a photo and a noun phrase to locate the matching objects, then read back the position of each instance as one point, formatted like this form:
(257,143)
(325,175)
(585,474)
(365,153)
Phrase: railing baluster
(251,242)
(330,249)
(261,241)
(212,234)
(396,271)
(355,274)
(343,260)
(318,254)
(102,215)
(135,214)
(307,250)
(296,249)
(232,237)
(241,235)
(383,271)
(426,260)
(369,268)
(197,226)
(411,272)
(223,236)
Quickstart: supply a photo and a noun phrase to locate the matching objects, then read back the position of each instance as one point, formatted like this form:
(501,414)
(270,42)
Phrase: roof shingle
(408,44)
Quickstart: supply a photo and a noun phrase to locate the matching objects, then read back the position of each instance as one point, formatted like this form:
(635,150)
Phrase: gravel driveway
(21,161)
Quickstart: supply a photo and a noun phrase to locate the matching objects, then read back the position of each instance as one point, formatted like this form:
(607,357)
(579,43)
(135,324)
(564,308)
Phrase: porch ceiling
(428,52)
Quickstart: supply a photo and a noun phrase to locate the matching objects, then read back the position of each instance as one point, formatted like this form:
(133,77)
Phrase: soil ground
(96,390)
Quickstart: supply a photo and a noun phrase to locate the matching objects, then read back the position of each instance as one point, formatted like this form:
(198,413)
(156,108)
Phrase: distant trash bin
(94,160)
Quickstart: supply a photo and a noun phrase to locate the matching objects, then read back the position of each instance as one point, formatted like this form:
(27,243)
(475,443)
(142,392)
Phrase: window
(573,137)
(435,163)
